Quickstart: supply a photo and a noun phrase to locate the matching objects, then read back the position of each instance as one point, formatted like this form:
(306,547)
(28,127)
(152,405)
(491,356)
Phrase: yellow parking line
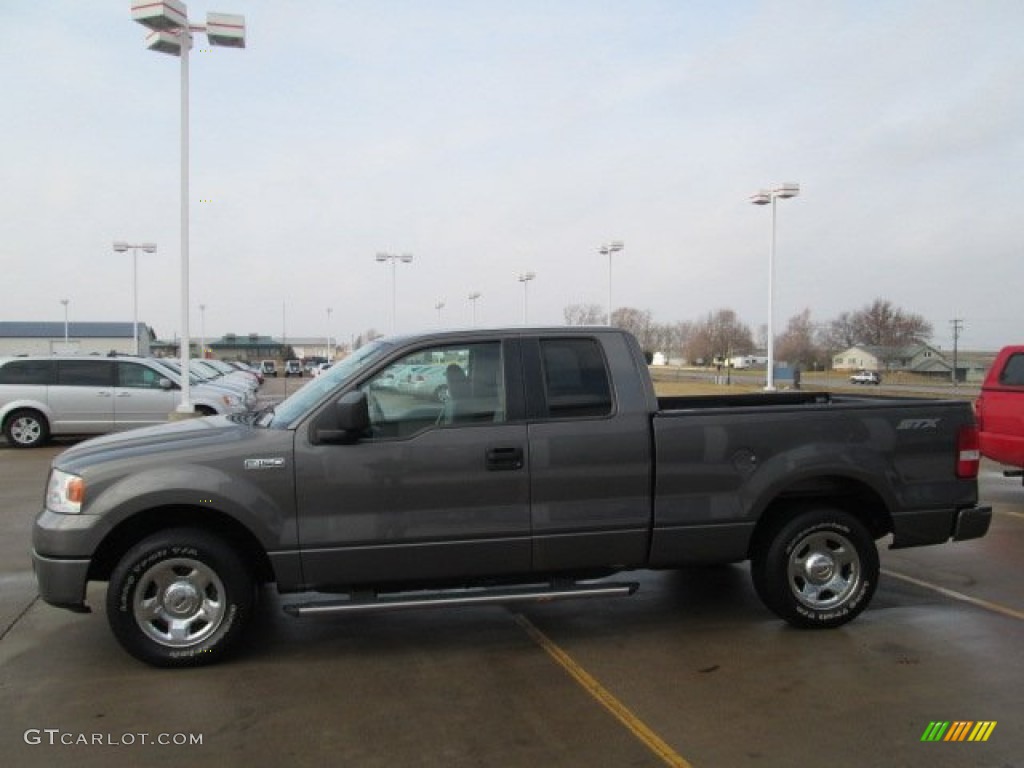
(1013,613)
(604,697)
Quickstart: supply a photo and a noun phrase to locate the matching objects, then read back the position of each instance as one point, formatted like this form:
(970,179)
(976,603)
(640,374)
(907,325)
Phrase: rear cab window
(575,378)
(1012,374)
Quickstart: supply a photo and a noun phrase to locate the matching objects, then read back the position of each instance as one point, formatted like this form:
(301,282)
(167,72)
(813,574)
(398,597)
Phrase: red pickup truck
(1000,410)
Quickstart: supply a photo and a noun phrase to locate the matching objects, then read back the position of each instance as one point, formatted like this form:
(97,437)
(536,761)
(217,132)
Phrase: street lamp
(65,303)
(405,258)
(171,33)
(764,197)
(525,279)
(121,247)
(607,250)
(327,349)
(439,306)
(472,300)
(202,331)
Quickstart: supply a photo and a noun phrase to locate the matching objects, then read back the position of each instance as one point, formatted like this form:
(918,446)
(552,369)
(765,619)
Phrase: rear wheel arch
(850,495)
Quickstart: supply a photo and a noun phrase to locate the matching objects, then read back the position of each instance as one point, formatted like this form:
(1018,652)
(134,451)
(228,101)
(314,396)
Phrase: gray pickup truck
(483,467)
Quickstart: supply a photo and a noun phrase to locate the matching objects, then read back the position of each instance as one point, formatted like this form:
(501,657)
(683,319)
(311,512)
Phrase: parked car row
(42,396)
(427,380)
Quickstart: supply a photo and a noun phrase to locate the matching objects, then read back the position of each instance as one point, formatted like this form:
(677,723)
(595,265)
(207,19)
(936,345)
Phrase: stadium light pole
(65,303)
(764,197)
(405,258)
(171,33)
(525,279)
(472,300)
(122,247)
(327,349)
(202,331)
(607,250)
(439,306)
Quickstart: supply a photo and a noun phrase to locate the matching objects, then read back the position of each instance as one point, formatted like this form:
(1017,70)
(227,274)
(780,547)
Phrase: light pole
(525,279)
(405,258)
(607,250)
(472,300)
(327,349)
(439,306)
(171,33)
(764,197)
(121,247)
(202,331)
(65,303)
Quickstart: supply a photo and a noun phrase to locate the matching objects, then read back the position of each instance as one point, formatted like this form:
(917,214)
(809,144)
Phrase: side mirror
(352,412)
(348,418)
(166,384)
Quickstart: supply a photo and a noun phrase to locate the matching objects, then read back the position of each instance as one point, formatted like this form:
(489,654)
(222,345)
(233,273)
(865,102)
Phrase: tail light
(968,453)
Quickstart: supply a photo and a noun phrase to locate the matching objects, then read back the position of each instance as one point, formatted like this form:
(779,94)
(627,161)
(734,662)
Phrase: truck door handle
(501,458)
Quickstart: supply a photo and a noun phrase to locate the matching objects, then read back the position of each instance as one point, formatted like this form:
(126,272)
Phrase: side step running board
(404,600)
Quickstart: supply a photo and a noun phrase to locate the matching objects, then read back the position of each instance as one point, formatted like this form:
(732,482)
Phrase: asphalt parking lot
(690,671)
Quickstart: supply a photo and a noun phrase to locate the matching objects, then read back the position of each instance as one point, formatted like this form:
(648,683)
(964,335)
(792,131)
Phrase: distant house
(82,338)
(920,359)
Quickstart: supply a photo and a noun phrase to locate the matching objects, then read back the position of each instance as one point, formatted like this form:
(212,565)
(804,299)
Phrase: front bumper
(62,581)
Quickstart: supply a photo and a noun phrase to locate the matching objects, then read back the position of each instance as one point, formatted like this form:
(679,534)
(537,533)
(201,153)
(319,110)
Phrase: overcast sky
(492,137)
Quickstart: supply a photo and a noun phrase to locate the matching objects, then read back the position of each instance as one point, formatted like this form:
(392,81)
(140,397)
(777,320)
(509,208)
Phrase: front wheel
(180,598)
(818,569)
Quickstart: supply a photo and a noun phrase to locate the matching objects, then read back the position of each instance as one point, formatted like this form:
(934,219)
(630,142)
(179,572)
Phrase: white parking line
(1013,613)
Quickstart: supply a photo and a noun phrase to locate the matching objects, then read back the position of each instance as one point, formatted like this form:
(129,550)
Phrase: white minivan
(42,396)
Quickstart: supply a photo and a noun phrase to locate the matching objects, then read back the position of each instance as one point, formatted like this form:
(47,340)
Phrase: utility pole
(958,326)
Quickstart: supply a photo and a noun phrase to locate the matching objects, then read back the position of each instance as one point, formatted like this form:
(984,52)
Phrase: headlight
(64,493)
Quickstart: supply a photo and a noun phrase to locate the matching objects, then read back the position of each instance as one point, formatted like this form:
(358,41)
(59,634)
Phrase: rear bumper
(972,523)
(937,526)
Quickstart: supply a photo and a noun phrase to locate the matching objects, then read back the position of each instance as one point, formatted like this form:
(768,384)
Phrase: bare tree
(884,325)
(583,314)
(637,322)
(798,344)
(720,335)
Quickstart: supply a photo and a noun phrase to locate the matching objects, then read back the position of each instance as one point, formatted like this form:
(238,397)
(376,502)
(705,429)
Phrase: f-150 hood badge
(275,463)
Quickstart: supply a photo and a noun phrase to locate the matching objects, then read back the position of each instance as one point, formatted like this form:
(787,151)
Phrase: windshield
(300,403)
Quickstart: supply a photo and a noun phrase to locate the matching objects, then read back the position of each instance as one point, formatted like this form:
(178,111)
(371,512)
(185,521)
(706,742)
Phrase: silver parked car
(42,396)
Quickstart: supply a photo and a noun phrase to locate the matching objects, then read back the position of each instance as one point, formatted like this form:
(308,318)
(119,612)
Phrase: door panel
(436,490)
(82,400)
(590,459)
(139,399)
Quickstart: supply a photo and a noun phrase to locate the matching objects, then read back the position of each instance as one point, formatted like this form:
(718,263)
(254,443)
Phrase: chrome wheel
(179,602)
(824,569)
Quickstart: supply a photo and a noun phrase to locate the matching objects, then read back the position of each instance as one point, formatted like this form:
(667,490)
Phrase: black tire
(180,598)
(819,569)
(26,429)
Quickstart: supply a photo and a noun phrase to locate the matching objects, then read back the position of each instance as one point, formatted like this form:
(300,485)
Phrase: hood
(175,436)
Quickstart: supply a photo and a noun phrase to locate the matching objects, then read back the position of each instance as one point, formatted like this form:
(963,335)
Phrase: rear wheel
(818,569)
(26,429)
(180,598)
